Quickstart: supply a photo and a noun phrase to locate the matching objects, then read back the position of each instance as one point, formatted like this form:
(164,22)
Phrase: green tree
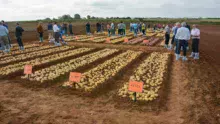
(88,17)
(77,16)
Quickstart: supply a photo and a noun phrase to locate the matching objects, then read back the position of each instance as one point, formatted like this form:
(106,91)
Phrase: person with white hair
(4,39)
(182,35)
(195,42)
(174,30)
(167,35)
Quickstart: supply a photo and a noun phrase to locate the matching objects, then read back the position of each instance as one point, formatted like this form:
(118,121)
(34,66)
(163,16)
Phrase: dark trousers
(173,39)
(143,31)
(19,40)
(195,45)
(182,43)
(120,31)
(57,35)
(71,31)
(167,38)
(40,34)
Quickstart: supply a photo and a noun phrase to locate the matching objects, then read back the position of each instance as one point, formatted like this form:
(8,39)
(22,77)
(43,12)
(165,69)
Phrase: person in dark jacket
(71,29)
(88,32)
(98,26)
(18,33)
(40,31)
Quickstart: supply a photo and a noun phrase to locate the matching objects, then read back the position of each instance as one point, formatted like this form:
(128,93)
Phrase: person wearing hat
(4,38)
(183,36)
(18,33)
(195,42)
(40,31)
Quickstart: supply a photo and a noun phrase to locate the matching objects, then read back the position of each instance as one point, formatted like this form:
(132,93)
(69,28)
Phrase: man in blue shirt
(135,27)
(50,30)
(9,40)
(4,38)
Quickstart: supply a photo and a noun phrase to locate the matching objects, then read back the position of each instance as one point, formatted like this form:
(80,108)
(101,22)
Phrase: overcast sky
(13,10)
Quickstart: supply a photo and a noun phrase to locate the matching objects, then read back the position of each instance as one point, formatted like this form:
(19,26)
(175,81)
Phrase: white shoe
(184,58)
(196,56)
(192,55)
(177,57)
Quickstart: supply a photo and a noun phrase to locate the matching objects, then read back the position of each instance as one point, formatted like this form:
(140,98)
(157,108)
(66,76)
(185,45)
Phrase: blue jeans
(182,43)
(135,32)
(131,29)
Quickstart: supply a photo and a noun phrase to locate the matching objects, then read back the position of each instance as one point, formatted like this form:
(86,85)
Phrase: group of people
(5,41)
(138,27)
(182,33)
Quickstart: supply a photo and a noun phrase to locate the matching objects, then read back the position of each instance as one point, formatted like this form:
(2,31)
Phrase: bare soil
(193,94)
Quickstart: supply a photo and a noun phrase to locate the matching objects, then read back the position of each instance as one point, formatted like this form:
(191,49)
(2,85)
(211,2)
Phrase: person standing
(9,39)
(174,30)
(135,27)
(98,27)
(88,32)
(139,27)
(113,29)
(4,38)
(195,42)
(189,28)
(131,29)
(120,29)
(109,29)
(167,35)
(182,35)
(18,33)
(102,27)
(123,29)
(143,29)
(50,31)
(40,31)
(56,31)
(61,33)
(71,29)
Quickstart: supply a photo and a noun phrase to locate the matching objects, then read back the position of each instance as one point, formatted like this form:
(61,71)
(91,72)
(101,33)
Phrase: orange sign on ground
(126,40)
(92,38)
(108,40)
(76,37)
(28,69)
(145,41)
(64,37)
(135,86)
(75,77)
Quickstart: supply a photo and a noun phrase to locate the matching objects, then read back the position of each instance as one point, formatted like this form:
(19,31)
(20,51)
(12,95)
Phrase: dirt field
(193,94)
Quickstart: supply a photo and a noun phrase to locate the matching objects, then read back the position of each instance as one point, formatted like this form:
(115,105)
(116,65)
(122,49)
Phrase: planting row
(105,71)
(55,71)
(19,67)
(152,72)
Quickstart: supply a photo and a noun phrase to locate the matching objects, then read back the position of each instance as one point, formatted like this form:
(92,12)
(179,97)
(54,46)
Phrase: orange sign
(145,41)
(28,69)
(75,77)
(135,86)
(126,40)
(92,38)
(76,37)
(108,40)
(64,37)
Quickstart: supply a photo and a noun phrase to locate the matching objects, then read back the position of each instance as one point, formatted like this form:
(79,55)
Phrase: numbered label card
(92,38)
(28,69)
(76,37)
(126,40)
(108,40)
(75,77)
(145,41)
(135,86)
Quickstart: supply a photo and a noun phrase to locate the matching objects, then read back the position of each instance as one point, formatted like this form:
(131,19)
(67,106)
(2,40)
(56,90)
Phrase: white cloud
(39,9)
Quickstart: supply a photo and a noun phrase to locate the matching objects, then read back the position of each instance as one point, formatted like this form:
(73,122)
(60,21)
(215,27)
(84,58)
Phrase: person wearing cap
(4,38)
(167,35)
(56,34)
(195,33)
(182,35)
(40,31)
(18,33)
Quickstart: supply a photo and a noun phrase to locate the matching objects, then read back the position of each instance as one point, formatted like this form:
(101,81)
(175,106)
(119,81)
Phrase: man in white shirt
(195,42)
(56,31)
(182,35)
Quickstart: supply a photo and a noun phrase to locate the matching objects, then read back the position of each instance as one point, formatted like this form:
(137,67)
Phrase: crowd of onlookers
(182,33)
